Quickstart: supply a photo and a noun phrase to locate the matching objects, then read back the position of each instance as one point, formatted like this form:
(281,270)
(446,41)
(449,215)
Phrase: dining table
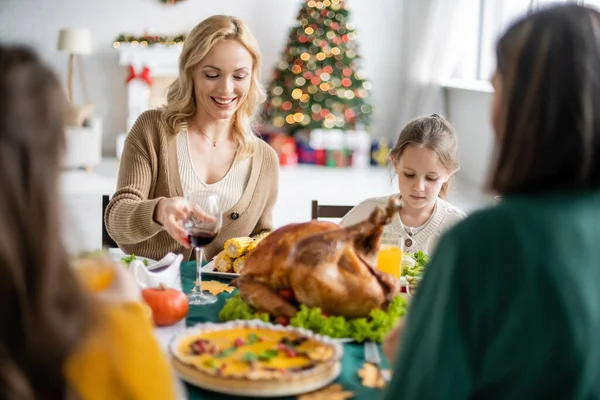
(352,360)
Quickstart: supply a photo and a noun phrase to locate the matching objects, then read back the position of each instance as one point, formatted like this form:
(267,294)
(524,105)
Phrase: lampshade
(75,40)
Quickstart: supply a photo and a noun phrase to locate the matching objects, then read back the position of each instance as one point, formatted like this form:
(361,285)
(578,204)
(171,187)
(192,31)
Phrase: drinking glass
(389,256)
(201,231)
(96,273)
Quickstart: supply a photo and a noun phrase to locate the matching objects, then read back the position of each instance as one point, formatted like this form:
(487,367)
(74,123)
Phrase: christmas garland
(172,1)
(149,40)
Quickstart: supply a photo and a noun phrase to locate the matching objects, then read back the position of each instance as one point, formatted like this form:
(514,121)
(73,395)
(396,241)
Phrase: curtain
(436,45)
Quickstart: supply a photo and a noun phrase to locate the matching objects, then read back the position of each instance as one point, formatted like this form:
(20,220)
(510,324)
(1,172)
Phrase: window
(495,16)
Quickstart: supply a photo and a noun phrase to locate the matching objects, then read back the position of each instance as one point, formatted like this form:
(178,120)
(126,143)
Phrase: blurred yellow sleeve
(120,358)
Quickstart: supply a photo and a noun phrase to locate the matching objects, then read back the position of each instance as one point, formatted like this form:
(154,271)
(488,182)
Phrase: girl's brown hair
(43,311)
(548,133)
(434,133)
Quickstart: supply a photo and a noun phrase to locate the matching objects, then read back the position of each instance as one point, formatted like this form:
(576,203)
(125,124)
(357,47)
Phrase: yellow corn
(237,247)
(238,264)
(223,263)
(257,240)
(261,236)
(252,246)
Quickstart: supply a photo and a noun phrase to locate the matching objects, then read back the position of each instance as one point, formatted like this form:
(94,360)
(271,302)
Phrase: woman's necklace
(214,142)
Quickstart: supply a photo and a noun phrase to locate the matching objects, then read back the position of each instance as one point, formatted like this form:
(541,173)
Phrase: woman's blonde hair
(434,133)
(181,99)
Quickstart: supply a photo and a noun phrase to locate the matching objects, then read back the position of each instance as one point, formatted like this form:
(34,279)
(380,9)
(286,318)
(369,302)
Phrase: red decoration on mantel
(144,75)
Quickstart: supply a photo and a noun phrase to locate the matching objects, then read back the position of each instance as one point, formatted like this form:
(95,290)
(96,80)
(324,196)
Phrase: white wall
(386,30)
(469,111)
(37,22)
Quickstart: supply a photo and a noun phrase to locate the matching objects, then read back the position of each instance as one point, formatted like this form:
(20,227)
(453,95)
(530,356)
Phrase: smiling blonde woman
(202,139)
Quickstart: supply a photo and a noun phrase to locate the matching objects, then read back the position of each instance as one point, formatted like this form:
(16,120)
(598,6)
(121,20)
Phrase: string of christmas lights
(318,82)
(149,40)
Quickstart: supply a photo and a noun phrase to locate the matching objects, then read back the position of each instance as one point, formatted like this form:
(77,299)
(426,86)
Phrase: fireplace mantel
(162,62)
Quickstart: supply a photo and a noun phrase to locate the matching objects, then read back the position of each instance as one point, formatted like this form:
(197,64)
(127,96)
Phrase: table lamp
(75,41)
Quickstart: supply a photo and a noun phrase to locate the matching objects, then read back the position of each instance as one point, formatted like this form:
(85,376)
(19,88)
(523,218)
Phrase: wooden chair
(107,241)
(328,211)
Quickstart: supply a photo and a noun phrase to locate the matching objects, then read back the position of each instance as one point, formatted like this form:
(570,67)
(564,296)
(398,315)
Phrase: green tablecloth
(351,363)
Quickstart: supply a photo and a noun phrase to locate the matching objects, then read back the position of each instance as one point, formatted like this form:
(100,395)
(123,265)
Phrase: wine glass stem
(199,257)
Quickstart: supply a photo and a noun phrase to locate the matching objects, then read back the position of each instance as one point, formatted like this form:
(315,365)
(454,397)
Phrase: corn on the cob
(237,247)
(251,246)
(223,263)
(261,236)
(238,264)
(257,240)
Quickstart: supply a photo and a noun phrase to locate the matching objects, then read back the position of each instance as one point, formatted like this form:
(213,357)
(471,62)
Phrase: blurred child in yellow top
(57,339)
(120,357)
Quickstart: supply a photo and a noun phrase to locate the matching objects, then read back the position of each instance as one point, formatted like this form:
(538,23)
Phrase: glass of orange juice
(96,273)
(389,256)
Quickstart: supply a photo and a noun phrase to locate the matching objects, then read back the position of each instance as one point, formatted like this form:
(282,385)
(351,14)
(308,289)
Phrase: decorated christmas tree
(317,83)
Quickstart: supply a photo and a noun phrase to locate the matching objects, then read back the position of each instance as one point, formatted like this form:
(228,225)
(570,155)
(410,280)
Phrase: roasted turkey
(323,264)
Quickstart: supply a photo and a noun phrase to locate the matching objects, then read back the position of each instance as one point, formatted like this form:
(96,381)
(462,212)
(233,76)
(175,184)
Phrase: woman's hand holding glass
(201,229)
(171,214)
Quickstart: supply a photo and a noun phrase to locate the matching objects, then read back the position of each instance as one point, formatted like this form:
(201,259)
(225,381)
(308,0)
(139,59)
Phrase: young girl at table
(57,339)
(424,159)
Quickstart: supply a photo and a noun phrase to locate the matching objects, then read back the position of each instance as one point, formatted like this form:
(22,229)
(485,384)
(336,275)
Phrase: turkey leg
(367,243)
(389,283)
(365,236)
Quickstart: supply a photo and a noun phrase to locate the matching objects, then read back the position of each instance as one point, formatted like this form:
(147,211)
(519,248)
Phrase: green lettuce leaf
(236,308)
(374,327)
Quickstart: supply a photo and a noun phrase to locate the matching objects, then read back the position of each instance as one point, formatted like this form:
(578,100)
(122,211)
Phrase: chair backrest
(328,211)
(107,241)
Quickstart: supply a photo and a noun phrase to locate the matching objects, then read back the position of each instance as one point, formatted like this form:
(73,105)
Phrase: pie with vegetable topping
(253,357)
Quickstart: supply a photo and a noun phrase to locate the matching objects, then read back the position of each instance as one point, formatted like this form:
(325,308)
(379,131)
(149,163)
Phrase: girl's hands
(171,212)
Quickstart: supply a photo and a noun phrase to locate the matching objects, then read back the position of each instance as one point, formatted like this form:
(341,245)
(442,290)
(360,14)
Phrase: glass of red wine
(202,225)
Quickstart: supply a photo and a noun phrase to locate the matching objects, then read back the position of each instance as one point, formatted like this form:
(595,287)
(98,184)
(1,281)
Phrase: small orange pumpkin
(168,305)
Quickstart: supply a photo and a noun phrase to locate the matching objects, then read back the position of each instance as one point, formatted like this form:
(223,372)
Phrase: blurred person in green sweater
(509,307)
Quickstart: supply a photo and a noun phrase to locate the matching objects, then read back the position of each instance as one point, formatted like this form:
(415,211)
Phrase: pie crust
(255,358)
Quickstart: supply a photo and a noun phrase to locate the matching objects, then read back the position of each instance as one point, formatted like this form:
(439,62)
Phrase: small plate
(209,269)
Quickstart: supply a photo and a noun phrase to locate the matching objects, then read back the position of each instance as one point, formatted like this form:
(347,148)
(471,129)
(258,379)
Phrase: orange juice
(96,274)
(389,259)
